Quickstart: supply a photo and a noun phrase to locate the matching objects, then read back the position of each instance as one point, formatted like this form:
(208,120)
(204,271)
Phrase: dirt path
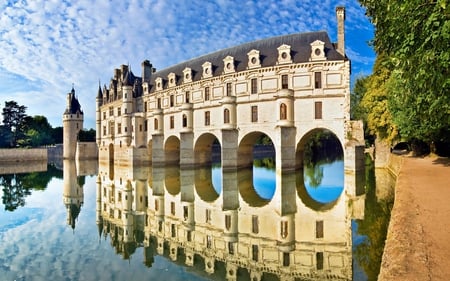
(418,242)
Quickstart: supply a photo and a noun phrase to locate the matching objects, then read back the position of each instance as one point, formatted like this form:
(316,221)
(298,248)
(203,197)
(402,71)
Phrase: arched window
(283,111)
(155,124)
(184,121)
(226,116)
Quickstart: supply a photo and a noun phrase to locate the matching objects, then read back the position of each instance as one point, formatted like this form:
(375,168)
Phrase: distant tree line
(20,130)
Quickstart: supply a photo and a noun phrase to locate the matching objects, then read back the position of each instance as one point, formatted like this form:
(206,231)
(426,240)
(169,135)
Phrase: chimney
(146,71)
(340,15)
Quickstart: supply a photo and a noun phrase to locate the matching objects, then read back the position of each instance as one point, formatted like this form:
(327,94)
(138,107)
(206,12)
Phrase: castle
(285,87)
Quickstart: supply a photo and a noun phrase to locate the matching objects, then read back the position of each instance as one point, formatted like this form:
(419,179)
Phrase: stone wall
(23,155)
(86,151)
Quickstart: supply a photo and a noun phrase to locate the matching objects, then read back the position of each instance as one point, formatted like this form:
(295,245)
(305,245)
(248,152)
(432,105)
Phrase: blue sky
(46,45)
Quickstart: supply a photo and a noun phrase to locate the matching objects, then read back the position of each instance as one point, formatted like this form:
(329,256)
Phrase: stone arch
(245,148)
(304,139)
(247,189)
(206,147)
(310,202)
(172,180)
(172,150)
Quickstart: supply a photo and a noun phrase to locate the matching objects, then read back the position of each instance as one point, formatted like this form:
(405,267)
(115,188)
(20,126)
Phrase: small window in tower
(172,208)
(173,230)
(208,241)
(184,121)
(189,236)
(185,212)
(227,222)
(226,116)
(286,259)
(317,80)
(255,224)
(254,86)
(119,128)
(208,215)
(186,97)
(228,92)
(284,81)
(318,110)
(172,122)
(254,113)
(119,111)
(145,106)
(77,125)
(155,124)
(255,251)
(283,111)
(145,126)
(172,103)
(159,103)
(319,229)
(207,118)
(319,260)
(230,248)
(206,93)
(284,229)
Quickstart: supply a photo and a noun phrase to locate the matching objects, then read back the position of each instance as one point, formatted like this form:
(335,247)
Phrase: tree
(375,102)
(38,131)
(14,120)
(414,36)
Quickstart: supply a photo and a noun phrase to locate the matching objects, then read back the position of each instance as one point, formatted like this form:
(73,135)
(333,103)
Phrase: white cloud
(48,45)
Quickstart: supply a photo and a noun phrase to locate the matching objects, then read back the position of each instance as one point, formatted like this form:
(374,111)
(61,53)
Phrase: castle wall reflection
(193,224)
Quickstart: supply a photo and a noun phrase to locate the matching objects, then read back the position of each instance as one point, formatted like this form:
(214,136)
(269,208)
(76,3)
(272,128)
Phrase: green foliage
(414,36)
(14,120)
(86,135)
(374,102)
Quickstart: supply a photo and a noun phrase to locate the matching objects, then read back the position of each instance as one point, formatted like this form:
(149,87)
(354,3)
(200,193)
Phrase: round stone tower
(72,124)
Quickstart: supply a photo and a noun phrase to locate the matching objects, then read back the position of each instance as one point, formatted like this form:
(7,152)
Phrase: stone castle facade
(285,87)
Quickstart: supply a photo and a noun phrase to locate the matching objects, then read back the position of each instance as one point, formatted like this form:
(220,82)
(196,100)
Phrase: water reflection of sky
(331,185)
(264,182)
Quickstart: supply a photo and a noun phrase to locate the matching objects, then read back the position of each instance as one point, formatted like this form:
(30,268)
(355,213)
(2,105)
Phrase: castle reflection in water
(230,232)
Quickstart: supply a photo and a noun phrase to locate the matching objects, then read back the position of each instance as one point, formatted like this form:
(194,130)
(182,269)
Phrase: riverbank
(418,241)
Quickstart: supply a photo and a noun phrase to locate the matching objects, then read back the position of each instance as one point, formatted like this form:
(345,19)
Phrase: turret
(72,124)
(146,71)
(99,102)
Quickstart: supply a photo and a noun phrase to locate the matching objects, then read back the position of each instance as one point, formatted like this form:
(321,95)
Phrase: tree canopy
(412,39)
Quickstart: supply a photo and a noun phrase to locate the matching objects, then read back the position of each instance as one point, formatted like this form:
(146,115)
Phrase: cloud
(45,46)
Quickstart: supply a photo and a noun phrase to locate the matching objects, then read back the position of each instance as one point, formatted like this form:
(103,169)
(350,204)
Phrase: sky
(48,46)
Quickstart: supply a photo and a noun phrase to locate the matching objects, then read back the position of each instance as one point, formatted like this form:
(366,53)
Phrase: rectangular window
(155,124)
(317,80)
(145,106)
(172,122)
(284,229)
(255,251)
(230,248)
(318,110)
(145,126)
(319,260)
(208,241)
(208,215)
(140,127)
(286,260)
(119,111)
(159,103)
(119,128)
(207,93)
(255,224)
(173,230)
(254,113)
(227,222)
(187,97)
(172,208)
(111,111)
(207,118)
(185,212)
(254,86)
(172,103)
(284,81)
(319,229)
(156,205)
(189,236)
(104,130)
(228,91)
(104,115)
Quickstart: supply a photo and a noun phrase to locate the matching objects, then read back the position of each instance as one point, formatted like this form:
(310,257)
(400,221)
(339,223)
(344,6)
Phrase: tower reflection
(229,232)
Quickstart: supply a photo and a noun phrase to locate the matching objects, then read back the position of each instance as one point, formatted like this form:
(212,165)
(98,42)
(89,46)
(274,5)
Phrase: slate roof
(74,105)
(300,52)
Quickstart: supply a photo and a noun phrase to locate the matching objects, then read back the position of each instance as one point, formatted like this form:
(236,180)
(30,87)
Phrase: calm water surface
(83,221)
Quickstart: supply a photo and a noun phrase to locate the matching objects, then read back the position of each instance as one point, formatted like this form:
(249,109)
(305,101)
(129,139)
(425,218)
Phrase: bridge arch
(172,150)
(246,147)
(206,146)
(300,149)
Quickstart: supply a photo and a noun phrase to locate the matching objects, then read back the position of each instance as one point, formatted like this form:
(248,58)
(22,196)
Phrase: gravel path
(418,240)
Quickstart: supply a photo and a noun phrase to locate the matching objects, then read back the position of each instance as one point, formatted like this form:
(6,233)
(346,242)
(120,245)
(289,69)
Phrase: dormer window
(159,83)
(228,64)
(207,69)
(317,50)
(172,79)
(284,54)
(253,59)
(187,75)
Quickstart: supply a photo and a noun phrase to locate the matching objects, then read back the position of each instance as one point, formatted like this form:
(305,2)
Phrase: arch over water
(172,179)
(172,150)
(207,149)
(247,145)
(204,185)
(308,200)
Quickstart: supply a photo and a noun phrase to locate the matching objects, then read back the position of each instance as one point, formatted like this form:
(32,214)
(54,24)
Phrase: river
(84,221)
